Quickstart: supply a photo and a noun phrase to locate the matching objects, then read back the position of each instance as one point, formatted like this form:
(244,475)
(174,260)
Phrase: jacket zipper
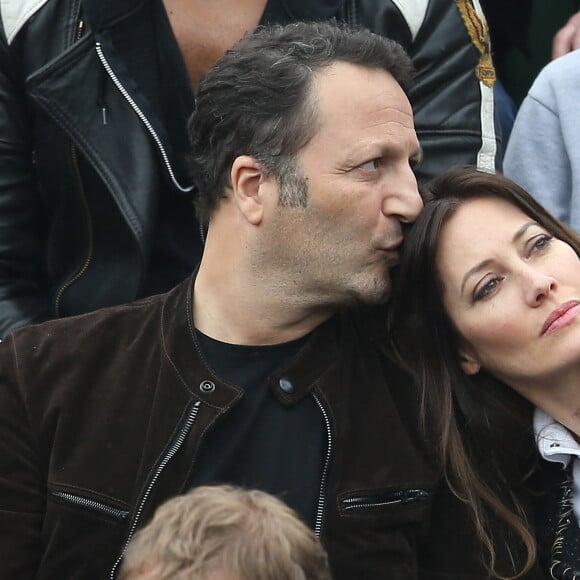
(91,504)
(77,36)
(173,449)
(80,29)
(405,496)
(141,116)
(80,24)
(83,268)
(322,495)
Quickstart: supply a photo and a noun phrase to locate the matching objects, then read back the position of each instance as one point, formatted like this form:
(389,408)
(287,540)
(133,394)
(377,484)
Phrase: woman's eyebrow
(473,270)
(479,266)
(521,231)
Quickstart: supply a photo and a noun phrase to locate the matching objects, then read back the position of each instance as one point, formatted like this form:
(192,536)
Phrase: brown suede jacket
(101,417)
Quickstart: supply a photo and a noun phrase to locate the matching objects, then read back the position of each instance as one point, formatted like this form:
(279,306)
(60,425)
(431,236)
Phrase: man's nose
(401,198)
(538,287)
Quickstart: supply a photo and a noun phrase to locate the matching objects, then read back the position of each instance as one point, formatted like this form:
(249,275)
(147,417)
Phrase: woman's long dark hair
(482,428)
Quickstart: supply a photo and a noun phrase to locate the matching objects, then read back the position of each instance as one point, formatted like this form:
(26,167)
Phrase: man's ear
(468,362)
(247,179)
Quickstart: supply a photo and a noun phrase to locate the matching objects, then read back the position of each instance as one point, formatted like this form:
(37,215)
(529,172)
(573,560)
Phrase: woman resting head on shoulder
(486,315)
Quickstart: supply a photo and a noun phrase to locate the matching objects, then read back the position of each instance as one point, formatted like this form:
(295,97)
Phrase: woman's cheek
(496,326)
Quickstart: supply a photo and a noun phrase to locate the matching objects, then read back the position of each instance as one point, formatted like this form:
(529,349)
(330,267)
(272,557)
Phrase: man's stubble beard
(295,193)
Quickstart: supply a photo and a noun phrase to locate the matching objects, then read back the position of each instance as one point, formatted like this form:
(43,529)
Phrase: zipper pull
(411,495)
(80,29)
(101,101)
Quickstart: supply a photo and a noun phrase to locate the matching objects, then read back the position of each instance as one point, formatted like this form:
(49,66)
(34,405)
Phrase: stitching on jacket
(166,352)
(172,363)
(15,14)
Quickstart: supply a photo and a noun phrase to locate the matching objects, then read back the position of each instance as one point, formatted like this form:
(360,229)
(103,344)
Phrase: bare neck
(559,397)
(205,30)
(237,302)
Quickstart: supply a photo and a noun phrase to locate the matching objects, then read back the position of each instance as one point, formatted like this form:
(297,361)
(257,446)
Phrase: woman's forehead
(478,218)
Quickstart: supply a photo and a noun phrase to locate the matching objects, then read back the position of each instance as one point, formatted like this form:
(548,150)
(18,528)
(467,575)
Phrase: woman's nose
(539,287)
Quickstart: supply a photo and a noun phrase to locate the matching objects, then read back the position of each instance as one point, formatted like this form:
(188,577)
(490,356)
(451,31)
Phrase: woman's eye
(486,289)
(541,242)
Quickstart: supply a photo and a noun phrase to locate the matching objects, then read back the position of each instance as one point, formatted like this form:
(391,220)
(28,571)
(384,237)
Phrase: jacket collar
(134,42)
(182,348)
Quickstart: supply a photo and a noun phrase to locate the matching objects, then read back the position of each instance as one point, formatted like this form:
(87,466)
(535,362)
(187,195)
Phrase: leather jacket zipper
(91,504)
(361,503)
(89,255)
(319,522)
(80,23)
(80,29)
(173,449)
(141,116)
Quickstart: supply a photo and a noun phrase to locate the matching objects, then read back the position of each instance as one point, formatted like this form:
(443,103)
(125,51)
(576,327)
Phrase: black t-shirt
(263,443)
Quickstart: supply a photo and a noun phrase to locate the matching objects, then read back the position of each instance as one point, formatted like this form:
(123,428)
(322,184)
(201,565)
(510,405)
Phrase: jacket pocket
(90,504)
(382,501)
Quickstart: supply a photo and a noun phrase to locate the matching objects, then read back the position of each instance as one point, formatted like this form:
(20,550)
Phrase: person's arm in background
(452,95)
(23,292)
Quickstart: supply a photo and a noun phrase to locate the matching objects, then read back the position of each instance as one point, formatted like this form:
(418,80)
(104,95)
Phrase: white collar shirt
(558,445)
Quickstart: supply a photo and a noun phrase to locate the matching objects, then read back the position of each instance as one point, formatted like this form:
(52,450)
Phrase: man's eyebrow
(519,233)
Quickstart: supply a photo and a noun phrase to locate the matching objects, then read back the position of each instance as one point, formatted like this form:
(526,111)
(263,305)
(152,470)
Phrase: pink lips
(561,316)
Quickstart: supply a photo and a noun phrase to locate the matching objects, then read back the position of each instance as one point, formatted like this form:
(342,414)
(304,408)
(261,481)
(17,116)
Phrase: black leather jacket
(92,152)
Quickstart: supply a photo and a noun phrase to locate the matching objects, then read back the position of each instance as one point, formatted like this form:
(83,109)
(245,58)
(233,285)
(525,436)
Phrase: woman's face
(512,291)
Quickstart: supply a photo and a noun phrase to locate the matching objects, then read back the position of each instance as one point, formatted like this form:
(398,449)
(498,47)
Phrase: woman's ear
(468,362)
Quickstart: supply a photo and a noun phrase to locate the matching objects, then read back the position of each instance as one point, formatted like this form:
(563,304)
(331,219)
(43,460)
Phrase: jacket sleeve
(452,94)
(23,222)
(22,496)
